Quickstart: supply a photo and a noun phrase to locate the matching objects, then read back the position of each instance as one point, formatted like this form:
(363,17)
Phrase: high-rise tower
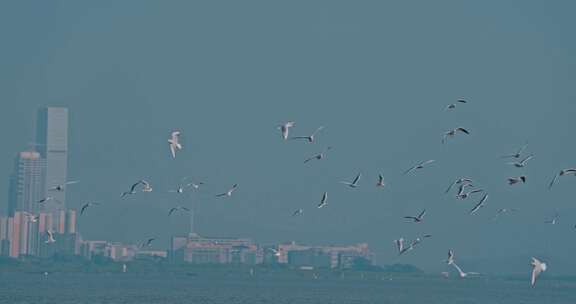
(27,184)
(52,140)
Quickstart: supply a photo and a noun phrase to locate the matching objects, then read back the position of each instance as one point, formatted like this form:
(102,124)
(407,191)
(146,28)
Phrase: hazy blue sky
(377,74)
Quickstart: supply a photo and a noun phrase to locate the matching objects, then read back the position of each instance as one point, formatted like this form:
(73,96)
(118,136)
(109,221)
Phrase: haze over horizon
(378,77)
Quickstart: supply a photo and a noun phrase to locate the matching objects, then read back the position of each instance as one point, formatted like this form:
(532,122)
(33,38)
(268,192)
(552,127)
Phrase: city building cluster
(38,223)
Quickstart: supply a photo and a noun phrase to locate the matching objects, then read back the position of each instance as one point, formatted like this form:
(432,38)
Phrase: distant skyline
(377,75)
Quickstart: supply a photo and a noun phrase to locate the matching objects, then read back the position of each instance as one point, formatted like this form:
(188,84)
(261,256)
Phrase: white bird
(324,200)
(516,179)
(309,138)
(465,195)
(453,105)
(229,192)
(31,217)
(537,268)
(147,243)
(61,187)
(554,220)
(480,204)
(85,206)
(381,182)
(460,181)
(450,259)
(354,183)
(195,185)
(452,133)
(178,190)
(462,188)
(172,210)
(298,212)
(417,219)
(285,128)
(147,188)
(50,237)
(411,246)
(522,163)
(318,156)
(174,142)
(419,166)
(275,251)
(463,274)
(47,199)
(517,154)
(562,172)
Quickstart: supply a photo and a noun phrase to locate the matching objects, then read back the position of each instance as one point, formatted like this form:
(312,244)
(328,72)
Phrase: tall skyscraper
(27,184)
(52,140)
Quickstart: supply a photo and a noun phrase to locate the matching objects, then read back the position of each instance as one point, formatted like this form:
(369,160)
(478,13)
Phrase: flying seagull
(417,219)
(463,274)
(47,199)
(554,220)
(298,212)
(479,205)
(465,195)
(562,172)
(172,210)
(517,154)
(31,217)
(178,190)
(147,188)
(195,185)
(380,181)
(459,181)
(516,179)
(61,187)
(147,243)
(309,138)
(50,237)
(419,166)
(174,142)
(354,183)
(522,163)
(411,246)
(537,268)
(229,192)
(85,206)
(324,200)
(453,105)
(318,156)
(275,251)
(453,132)
(285,128)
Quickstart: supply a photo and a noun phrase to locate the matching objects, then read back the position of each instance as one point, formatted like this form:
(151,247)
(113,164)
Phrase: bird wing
(133,188)
(357,179)
(318,130)
(410,170)
(71,182)
(324,197)
(527,159)
(173,150)
(450,187)
(462,130)
(84,208)
(300,137)
(421,215)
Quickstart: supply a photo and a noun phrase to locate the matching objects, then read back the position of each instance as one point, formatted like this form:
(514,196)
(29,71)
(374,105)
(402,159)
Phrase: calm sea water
(165,288)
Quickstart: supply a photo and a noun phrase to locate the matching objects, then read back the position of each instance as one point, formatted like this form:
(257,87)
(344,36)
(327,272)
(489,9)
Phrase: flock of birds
(464,186)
